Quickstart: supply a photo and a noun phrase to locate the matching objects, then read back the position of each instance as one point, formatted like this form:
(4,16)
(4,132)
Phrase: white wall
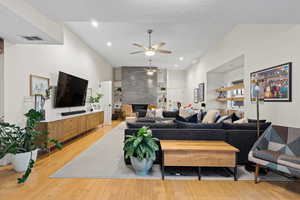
(176,84)
(1,85)
(73,57)
(263,46)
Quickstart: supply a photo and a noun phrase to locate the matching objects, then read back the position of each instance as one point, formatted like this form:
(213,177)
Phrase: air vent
(32,38)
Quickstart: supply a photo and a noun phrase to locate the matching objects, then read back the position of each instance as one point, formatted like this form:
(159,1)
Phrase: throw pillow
(150,113)
(225,118)
(234,117)
(159,113)
(192,119)
(210,117)
(185,112)
(241,121)
(178,118)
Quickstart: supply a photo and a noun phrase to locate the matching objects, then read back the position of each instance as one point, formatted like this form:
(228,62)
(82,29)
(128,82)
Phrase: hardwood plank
(41,187)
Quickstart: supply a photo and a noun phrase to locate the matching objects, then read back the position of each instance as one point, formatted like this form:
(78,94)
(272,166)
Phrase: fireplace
(136,107)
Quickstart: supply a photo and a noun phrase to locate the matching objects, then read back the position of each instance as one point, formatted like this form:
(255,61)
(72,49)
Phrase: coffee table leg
(199,173)
(162,167)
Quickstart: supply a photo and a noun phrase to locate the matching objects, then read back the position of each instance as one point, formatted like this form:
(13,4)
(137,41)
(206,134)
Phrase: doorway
(1,80)
(106,103)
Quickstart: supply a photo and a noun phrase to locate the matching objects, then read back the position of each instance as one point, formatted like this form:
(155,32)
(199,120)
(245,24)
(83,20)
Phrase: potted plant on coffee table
(141,149)
(24,143)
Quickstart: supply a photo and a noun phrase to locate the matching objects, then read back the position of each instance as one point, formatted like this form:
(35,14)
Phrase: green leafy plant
(14,139)
(141,145)
(95,99)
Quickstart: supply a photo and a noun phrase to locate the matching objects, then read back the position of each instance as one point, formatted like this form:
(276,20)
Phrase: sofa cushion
(201,115)
(290,161)
(192,119)
(170,114)
(187,125)
(255,121)
(245,126)
(151,125)
(241,121)
(146,119)
(268,155)
(150,113)
(141,113)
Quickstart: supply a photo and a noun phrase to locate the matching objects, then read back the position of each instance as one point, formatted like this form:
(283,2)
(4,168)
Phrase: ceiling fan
(151,69)
(151,50)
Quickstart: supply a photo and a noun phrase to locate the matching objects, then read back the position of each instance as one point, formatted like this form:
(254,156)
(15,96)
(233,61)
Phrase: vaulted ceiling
(189,27)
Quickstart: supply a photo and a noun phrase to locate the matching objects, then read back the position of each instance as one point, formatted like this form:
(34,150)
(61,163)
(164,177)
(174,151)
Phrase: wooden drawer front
(55,130)
(101,117)
(82,126)
(200,158)
(70,127)
(92,121)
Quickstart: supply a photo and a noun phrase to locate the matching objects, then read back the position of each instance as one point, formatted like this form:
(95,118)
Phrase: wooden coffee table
(198,153)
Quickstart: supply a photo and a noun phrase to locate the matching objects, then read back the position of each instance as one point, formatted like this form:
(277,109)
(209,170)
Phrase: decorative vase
(6,159)
(20,161)
(141,167)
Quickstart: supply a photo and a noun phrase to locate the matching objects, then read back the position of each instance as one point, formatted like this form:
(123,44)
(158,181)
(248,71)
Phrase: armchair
(278,149)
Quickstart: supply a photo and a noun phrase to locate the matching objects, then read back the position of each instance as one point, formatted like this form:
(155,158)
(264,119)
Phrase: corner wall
(73,57)
(263,46)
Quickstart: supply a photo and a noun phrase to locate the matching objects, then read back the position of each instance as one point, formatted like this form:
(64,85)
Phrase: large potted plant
(141,149)
(24,143)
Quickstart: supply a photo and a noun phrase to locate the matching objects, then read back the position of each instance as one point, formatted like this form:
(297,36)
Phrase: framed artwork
(38,85)
(276,82)
(196,95)
(201,92)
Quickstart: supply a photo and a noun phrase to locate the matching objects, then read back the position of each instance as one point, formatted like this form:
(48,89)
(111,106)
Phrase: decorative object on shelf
(141,149)
(201,92)
(38,85)
(24,143)
(95,101)
(277,82)
(39,103)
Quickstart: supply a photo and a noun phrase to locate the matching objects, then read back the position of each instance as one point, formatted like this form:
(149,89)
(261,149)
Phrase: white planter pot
(20,161)
(6,160)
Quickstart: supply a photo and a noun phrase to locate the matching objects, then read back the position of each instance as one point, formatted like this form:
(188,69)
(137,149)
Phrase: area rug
(104,159)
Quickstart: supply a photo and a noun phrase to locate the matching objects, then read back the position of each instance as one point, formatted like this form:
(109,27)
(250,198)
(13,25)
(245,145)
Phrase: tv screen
(71,91)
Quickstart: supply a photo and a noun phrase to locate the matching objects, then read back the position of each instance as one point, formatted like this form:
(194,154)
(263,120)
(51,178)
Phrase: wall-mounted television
(71,91)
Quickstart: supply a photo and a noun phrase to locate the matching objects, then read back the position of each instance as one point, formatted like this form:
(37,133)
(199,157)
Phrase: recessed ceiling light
(94,23)
(181,58)
(176,65)
(109,44)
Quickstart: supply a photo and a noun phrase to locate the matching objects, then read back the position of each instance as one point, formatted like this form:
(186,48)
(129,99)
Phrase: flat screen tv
(71,91)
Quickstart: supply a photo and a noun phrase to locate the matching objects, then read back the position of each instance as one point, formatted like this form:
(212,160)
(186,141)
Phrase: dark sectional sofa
(241,136)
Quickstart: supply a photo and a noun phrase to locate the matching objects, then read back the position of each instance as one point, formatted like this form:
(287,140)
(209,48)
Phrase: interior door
(106,103)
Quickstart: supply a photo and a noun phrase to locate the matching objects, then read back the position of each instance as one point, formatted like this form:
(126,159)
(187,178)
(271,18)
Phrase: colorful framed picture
(276,82)
(38,85)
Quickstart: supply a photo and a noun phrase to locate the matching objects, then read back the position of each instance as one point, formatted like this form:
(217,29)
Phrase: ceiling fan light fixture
(150,73)
(150,53)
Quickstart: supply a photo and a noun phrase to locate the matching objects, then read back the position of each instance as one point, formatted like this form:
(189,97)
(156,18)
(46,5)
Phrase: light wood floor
(41,187)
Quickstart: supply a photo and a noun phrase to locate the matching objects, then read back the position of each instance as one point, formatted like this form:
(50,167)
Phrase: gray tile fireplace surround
(138,87)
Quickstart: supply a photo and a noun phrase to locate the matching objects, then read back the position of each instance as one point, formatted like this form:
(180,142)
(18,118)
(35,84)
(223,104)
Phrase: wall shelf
(231,99)
(231,88)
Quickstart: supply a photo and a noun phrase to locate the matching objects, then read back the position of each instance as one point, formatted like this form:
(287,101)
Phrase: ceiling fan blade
(163,51)
(156,46)
(136,52)
(138,45)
